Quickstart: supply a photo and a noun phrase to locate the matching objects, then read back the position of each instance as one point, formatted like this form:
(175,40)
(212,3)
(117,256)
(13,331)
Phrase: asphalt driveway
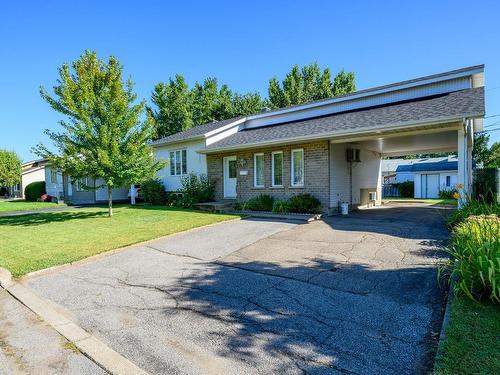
(353,294)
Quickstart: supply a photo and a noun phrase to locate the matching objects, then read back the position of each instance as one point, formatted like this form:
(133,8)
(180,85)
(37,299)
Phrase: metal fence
(390,191)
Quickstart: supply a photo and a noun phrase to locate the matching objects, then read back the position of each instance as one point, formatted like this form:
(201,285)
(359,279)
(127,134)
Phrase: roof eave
(327,135)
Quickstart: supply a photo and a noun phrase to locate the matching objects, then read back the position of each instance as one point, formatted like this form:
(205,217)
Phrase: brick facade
(316,172)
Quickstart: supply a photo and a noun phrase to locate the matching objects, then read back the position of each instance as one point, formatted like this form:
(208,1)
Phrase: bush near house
(300,203)
(473,208)
(447,194)
(33,191)
(153,192)
(406,189)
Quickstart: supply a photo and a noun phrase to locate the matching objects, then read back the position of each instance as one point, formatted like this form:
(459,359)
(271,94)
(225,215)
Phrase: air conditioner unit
(372,196)
(352,155)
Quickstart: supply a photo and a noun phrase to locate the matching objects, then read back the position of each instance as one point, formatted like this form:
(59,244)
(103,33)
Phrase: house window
(258,170)
(298,167)
(277,168)
(232,168)
(81,184)
(448,181)
(53,176)
(178,162)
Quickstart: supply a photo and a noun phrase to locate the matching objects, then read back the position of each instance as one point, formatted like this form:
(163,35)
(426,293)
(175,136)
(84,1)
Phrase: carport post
(464,178)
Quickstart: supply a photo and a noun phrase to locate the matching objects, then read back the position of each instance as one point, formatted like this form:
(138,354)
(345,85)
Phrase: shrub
(196,189)
(262,202)
(447,194)
(280,207)
(304,203)
(475,248)
(33,191)
(153,191)
(473,208)
(485,185)
(406,189)
(46,198)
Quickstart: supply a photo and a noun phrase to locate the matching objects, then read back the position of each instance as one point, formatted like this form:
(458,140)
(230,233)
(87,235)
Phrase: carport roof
(440,108)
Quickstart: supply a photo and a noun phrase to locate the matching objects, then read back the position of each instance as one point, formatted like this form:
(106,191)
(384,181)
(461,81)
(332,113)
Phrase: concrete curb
(446,321)
(88,344)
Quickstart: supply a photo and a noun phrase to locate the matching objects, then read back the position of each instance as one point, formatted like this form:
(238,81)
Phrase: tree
(494,156)
(480,150)
(10,168)
(173,101)
(246,104)
(103,136)
(308,84)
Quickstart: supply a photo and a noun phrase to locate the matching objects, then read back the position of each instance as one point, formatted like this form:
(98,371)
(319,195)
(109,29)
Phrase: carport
(365,173)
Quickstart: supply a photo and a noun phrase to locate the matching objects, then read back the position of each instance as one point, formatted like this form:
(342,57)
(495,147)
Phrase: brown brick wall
(316,172)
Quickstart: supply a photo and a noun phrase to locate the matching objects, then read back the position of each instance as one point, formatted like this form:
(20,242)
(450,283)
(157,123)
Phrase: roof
(447,163)
(196,132)
(446,107)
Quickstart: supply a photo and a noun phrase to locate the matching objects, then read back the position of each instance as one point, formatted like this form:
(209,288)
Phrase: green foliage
(489,157)
(406,189)
(473,208)
(485,185)
(10,168)
(153,192)
(195,189)
(308,84)
(173,103)
(103,136)
(304,203)
(475,249)
(33,191)
(262,202)
(280,207)
(447,194)
(179,108)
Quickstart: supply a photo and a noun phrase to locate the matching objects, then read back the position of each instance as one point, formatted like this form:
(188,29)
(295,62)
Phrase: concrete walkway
(345,295)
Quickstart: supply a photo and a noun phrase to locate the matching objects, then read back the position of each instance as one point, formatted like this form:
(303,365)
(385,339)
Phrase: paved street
(353,294)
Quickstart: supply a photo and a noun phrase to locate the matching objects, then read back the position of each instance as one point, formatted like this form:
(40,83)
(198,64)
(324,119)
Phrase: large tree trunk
(110,201)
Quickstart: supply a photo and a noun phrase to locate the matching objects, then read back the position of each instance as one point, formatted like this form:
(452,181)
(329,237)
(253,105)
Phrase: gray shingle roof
(457,104)
(195,132)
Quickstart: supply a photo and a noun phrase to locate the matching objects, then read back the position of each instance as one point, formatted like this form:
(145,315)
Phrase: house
(40,170)
(333,148)
(430,175)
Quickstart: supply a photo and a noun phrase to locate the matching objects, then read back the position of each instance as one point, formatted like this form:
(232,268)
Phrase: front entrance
(230,174)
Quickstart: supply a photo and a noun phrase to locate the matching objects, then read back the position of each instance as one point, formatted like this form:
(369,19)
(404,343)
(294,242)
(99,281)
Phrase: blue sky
(242,44)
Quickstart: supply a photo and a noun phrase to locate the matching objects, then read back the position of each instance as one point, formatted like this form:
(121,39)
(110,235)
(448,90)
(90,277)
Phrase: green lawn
(22,205)
(452,202)
(472,344)
(36,241)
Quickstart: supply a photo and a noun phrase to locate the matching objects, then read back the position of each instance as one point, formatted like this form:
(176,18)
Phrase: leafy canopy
(103,135)
(10,168)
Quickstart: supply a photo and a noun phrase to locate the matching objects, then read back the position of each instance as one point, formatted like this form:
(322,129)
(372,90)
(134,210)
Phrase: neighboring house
(31,171)
(333,148)
(430,175)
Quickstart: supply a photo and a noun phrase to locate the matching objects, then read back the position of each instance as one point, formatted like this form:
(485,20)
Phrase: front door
(430,186)
(229,164)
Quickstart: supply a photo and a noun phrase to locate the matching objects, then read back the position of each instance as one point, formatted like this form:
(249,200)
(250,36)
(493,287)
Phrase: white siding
(54,189)
(365,175)
(453,180)
(196,163)
(32,175)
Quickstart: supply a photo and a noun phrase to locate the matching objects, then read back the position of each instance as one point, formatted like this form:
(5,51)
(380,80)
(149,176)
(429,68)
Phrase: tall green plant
(10,168)
(103,136)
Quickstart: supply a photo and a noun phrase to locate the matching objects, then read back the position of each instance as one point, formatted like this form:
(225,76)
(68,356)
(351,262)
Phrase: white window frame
(292,172)
(183,161)
(272,169)
(79,181)
(53,176)
(255,170)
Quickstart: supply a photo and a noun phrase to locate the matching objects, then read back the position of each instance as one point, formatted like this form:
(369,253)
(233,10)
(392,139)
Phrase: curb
(89,345)
(446,321)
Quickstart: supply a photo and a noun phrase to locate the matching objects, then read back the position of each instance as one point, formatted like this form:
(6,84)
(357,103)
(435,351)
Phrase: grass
(452,202)
(472,340)
(22,205)
(36,241)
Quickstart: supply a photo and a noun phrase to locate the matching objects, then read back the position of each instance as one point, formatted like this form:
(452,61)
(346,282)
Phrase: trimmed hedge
(300,204)
(34,191)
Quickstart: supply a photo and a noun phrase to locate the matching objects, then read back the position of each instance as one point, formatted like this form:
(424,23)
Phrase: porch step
(216,206)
